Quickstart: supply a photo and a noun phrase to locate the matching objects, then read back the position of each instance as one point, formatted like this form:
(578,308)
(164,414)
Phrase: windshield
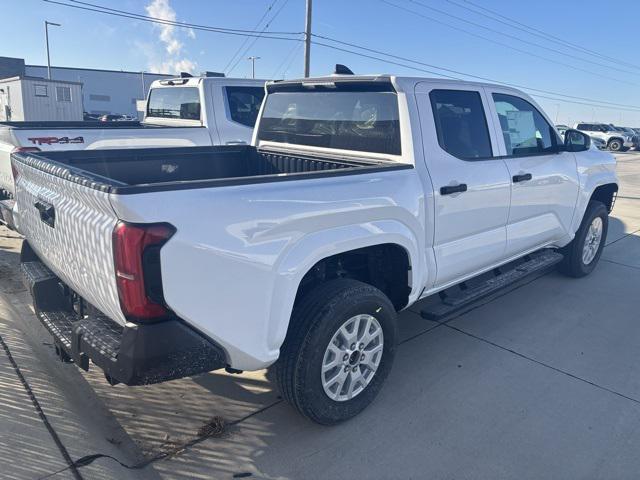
(366,121)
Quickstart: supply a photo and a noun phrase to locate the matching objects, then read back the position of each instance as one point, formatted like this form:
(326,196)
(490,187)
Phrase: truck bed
(141,170)
(51,125)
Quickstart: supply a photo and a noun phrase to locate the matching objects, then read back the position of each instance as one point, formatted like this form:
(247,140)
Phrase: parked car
(616,141)
(359,196)
(111,117)
(90,117)
(635,138)
(217,110)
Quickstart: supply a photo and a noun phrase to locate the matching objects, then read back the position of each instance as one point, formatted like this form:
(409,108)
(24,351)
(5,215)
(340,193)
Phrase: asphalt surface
(542,381)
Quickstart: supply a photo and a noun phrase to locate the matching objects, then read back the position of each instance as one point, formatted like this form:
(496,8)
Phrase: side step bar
(534,263)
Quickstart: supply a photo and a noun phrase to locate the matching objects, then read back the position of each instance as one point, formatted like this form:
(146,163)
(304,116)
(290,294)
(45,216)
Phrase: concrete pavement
(541,382)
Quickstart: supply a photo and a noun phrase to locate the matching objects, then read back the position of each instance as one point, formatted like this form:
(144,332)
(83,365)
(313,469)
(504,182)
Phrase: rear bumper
(130,354)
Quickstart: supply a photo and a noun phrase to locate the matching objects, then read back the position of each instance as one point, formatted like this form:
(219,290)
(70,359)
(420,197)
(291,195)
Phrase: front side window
(461,124)
(174,102)
(244,104)
(525,130)
(348,119)
(63,94)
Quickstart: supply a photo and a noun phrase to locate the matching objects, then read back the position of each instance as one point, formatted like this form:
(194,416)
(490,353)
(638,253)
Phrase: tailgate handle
(47,212)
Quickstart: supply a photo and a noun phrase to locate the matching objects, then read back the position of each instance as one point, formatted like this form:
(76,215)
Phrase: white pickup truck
(181,112)
(359,196)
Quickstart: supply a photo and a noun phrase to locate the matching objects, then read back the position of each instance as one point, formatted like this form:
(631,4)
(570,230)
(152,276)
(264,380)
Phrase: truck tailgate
(69,225)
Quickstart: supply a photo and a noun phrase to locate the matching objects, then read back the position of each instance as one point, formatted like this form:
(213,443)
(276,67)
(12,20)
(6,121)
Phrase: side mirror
(576,141)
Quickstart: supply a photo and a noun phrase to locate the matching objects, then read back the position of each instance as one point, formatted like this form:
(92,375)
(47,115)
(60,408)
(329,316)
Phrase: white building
(103,91)
(37,99)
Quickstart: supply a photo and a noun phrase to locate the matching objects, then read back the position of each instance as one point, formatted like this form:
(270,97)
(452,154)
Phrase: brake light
(14,170)
(136,252)
(25,149)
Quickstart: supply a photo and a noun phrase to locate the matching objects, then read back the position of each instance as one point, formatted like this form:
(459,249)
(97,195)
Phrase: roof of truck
(193,81)
(401,82)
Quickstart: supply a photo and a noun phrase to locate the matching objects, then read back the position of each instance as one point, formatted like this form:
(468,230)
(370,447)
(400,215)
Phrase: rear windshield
(365,121)
(177,102)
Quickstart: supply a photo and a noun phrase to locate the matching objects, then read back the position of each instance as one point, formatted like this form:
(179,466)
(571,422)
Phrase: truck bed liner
(141,170)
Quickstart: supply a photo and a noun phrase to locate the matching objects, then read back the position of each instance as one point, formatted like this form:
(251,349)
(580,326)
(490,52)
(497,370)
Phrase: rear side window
(366,121)
(244,104)
(174,102)
(525,130)
(461,123)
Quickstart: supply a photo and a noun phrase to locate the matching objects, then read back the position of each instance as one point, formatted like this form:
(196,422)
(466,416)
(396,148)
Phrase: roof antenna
(342,70)
(185,75)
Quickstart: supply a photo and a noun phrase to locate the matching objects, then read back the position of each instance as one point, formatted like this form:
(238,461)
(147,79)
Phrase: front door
(471,186)
(544,179)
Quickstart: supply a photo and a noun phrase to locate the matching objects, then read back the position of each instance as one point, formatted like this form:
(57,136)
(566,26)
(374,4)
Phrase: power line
(246,39)
(253,42)
(184,24)
(135,16)
(537,32)
(511,47)
(513,37)
(585,101)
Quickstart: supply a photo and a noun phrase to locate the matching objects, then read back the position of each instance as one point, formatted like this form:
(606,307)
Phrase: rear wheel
(338,351)
(583,253)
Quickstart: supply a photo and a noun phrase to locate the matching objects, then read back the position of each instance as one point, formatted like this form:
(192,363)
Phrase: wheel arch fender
(599,187)
(300,258)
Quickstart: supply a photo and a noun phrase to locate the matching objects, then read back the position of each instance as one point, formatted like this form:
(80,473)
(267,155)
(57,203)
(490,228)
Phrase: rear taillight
(14,170)
(25,149)
(136,251)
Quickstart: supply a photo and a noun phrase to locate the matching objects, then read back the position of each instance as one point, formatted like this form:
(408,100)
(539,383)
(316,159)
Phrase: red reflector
(130,241)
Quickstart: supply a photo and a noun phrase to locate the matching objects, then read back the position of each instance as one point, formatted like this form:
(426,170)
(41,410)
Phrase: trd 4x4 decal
(55,140)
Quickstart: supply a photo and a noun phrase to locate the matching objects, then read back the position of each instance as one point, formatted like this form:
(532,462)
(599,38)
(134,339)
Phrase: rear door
(472,187)
(69,225)
(544,179)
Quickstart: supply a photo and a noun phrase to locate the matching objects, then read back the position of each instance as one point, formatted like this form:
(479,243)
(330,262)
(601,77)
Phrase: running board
(534,263)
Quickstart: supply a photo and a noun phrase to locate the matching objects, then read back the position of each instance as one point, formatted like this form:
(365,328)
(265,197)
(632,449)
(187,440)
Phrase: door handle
(449,189)
(47,212)
(236,142)
(522,177)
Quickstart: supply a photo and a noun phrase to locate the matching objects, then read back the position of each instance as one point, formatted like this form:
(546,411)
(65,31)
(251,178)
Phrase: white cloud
(172,60)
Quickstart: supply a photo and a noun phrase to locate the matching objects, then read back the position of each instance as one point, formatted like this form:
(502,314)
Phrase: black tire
(615,145)
(573,264)
(315,320)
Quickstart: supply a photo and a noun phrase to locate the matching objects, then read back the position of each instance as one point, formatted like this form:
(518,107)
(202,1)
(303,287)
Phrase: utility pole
(307,41)
(46,36)
(253,65)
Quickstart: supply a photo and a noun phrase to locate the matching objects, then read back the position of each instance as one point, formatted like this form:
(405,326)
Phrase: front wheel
(615,145)
(583,253)
(338,351)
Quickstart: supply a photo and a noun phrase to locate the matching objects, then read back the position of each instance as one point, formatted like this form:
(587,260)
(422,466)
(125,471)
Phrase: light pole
(144,88)
(307,41)
(46,36)
(253,65)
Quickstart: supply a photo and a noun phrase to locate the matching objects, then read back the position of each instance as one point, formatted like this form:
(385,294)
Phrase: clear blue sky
(94,40)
